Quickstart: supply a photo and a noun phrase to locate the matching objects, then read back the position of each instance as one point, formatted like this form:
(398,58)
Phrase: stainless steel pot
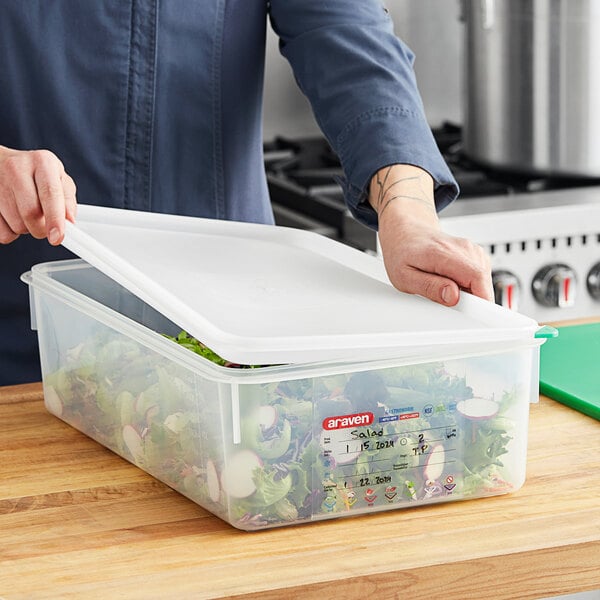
(532,85)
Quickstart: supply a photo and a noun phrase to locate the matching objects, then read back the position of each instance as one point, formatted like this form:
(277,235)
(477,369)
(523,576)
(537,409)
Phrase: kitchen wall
(433,31)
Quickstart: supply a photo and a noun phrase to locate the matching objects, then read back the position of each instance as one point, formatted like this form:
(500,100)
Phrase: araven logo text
(355,420)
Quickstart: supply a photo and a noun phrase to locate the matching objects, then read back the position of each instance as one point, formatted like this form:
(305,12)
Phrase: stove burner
(301,177)
(477,181)
(302,174)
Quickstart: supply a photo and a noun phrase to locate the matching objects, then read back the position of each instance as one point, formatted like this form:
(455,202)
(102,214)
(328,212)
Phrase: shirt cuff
(383,137)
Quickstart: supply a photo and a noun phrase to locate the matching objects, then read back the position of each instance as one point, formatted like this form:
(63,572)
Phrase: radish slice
(212,481)
(133,441)
(477,409)
(267,416)
(53,403)
(151,413)
(435,463)
(237,476)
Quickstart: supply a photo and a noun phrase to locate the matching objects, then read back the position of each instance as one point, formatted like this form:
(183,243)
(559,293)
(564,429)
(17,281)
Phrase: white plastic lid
(262,294)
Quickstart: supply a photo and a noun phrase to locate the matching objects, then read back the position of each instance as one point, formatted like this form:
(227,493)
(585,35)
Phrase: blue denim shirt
(157,105)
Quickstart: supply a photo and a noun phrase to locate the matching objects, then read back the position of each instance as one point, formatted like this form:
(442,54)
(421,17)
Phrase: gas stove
(542,233)
(544,249)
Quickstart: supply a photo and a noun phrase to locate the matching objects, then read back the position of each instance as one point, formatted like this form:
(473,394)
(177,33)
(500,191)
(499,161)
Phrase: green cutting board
(570,368)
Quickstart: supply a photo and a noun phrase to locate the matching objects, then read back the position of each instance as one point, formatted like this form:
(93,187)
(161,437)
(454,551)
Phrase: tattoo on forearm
(382,200)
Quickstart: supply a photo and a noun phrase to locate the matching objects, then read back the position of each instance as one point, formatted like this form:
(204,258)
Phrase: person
(157,105)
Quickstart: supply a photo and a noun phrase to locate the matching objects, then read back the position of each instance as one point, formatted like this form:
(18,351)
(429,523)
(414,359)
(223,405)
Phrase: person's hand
(419,257)
(36,195)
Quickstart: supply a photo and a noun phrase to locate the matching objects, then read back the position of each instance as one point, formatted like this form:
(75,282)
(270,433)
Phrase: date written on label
(370,445)
(374,480)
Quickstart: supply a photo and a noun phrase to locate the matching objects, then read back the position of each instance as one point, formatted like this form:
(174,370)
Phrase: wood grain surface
(79,522)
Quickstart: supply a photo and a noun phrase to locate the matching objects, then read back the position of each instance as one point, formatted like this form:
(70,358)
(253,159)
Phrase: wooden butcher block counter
(77,521)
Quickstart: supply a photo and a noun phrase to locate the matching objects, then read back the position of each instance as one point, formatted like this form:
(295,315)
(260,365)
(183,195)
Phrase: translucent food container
(284,444)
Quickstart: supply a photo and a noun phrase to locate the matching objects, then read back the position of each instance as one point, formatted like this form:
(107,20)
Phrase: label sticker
(345,421)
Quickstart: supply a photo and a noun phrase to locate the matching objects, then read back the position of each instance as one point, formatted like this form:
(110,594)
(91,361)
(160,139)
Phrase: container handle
(546,332)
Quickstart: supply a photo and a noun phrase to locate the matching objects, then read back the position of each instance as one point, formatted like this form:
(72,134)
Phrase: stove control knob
(554,286)
(593,282)
(506,289)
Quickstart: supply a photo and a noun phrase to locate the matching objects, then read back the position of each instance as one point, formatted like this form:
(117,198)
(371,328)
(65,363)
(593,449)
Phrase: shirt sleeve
(359,79)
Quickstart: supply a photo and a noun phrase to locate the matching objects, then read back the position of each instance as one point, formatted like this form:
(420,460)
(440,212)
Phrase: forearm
(360,81)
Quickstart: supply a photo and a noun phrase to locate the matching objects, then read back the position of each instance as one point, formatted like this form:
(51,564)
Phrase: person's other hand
(419,257)
(36,195)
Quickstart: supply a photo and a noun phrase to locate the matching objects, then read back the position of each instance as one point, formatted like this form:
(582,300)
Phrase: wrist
(402,188)
(5,151)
